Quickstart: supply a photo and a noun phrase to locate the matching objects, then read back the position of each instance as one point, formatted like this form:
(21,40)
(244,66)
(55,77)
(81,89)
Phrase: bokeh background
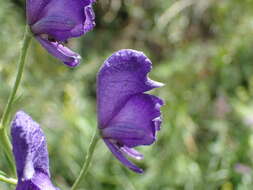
(201,49)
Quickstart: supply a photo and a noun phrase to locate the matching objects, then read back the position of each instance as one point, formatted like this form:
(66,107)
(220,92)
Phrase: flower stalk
(11,181)
(7,148)
(21,64)
(87,161)
(3,123)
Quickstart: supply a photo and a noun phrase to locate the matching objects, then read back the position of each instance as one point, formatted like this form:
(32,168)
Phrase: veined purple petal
(30,152)
(29,146)
(61,52)
(121,157)
(122,75)
(134,124)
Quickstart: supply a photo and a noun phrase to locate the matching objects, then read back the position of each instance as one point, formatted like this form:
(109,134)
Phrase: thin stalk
(87,161)
(3,123)
(11,181)
(8,149)
(21,64)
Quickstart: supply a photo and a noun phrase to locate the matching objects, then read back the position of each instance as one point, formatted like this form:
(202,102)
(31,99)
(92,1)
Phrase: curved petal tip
(118,153)
(61,52)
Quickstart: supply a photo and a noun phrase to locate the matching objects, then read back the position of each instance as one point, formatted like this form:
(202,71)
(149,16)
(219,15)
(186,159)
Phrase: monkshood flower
(53,22)
(30,152)
(127,117)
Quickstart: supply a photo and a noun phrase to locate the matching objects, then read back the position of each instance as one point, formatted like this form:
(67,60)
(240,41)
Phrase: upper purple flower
(30,152)
(53,22)
(127,117)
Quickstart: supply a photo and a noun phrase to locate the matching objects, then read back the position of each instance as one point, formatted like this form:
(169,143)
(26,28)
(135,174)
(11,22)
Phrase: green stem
(86,164)
(21,63)
(11,181)
(8,149)
(3,123)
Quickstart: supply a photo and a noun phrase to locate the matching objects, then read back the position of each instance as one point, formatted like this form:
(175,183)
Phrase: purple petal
(63,19)
(121,157)
(122,75)
(29,146)
(30,152)
(58,25)
(136,123)
(61,52)
(34,8)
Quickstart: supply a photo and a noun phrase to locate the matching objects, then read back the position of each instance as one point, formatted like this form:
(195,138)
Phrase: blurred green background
(201,49)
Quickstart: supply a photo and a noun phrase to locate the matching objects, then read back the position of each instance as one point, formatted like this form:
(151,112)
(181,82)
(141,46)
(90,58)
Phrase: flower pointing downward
(30,152)
(53,22)
(127,117)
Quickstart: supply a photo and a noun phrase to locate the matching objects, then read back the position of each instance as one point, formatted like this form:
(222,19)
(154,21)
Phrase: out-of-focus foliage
(201,49)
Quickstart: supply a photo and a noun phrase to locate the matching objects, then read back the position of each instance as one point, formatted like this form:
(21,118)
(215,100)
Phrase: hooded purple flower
(127,117)
(30,152)
(53,22)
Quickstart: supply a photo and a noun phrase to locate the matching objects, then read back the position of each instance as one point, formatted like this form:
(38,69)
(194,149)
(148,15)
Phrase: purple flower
(53,22)
(30,152)
(127,117)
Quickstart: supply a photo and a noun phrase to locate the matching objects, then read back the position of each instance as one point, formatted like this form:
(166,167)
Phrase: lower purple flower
(127,117)
(30,152)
